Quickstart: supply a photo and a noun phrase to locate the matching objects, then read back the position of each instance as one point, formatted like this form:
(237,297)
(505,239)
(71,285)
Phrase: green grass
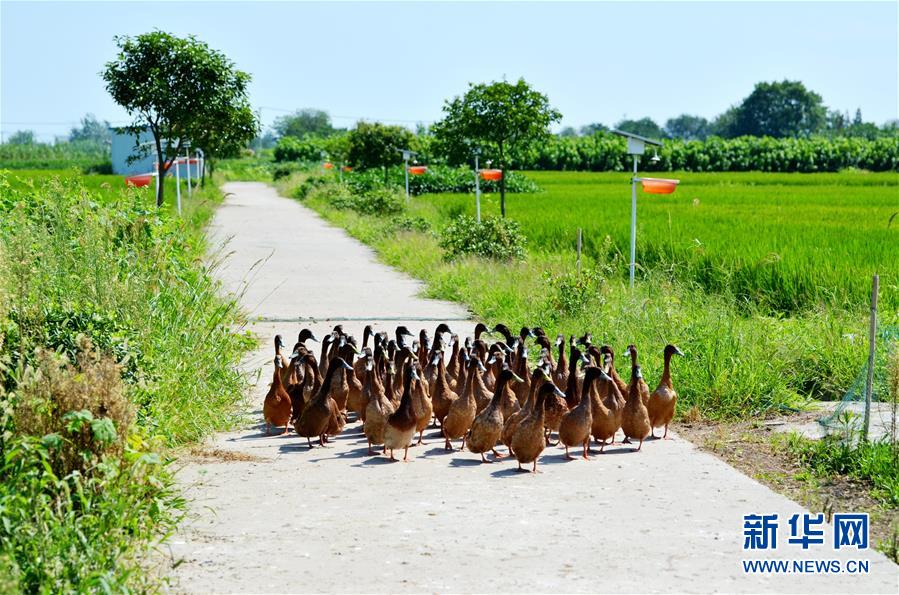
(84,255)
(787,242)
(876,463)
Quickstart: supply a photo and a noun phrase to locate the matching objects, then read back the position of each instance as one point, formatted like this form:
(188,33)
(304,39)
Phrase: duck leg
(652,432)
(586,449)
(534,470)
(370,451)
(309,440)
(391,455)
(665,436)
(484,459)
(568,456)
(419,438)
(641,445)
(498,455)
(626,440)
(406,455)
(321,440)
(286,430)
(267,431)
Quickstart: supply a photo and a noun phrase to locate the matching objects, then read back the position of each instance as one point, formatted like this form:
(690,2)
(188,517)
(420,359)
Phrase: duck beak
(312,338)
(679,352)
(557,392)
(517,378)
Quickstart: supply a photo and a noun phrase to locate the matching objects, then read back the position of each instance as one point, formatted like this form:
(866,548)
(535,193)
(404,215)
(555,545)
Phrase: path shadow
(473,462)
(510,472)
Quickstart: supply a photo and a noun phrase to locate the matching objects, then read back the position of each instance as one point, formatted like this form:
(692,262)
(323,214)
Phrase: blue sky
(398,62)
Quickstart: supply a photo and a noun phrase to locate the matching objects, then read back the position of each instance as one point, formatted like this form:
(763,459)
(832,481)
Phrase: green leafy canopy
(181,90)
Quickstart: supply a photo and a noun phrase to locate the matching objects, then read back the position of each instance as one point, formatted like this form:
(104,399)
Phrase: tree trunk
(161,168)
(385,175)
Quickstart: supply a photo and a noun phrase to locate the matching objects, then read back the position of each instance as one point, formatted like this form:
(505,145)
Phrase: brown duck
(401,424)
(443,396)
(528,441)
(463,410)
(635,417)
(379,407)
(608,406)
(487,427)
(642,387)
(511,423)
(321,410)
(276,407)
(578,423)
(663,399)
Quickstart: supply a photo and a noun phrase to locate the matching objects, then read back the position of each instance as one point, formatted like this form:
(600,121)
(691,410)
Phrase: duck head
(279,343)
(306,335)
(441,329)
(672,350)
(526,332)
(479,329)
(586,340)
(538,331)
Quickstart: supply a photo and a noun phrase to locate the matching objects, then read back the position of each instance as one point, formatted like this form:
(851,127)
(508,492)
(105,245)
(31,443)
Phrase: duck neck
(276,378)
(441,383)
(329,375)
(666,371)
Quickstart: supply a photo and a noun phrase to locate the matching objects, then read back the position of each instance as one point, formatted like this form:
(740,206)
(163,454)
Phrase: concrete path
(269,515)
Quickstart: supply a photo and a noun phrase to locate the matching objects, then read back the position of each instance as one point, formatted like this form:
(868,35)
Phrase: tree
(780,109)
(500,117)
(687,127)
(180,90)
(302,122)
(591,129)
(644,127)
(568,132)
(21,137)
(725,124)
(92,131)
(374,144)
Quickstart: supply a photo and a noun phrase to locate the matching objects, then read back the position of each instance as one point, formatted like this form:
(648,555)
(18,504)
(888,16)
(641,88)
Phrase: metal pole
(158,173)
(178,183)
(187,162)
(406,169)
(872,340)
(633,221)
(477,187)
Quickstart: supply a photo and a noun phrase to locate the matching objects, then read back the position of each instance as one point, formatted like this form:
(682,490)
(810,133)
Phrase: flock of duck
(484,394)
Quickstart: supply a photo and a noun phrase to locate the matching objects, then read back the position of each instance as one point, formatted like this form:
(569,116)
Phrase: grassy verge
(115,347)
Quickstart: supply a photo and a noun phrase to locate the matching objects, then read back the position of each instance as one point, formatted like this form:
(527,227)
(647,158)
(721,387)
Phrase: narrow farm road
(269,515)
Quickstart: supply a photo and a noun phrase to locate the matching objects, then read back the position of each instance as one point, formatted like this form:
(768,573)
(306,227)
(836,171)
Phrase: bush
(606,152)
(572,294)
(307,149)
(80,413)
(493,237)
(309,184)
(438,179)
(380,201)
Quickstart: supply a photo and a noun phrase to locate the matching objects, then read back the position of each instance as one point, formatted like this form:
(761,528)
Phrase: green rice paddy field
(787,242)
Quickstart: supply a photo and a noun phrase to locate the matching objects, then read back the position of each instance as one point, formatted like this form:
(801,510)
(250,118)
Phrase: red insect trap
(138,181)
(328,165)
(659,185)
(494,175)
(417,170)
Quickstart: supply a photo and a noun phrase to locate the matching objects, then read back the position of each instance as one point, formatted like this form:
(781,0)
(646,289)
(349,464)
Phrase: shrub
(606,152)
(309,184)
(572,294)
(438,179)
(493,237)
(80,413)
(380,201)
(291,148)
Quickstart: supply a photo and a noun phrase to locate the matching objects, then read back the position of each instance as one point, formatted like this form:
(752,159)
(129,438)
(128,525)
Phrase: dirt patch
(758,449)
(217,455)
